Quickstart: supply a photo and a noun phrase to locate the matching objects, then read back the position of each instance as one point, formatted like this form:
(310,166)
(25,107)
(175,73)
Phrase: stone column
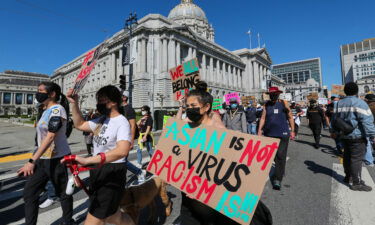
(230,72)
(218,77)
(211,75)
(225,78)
(121,68)
(235,72)
(190,53)
(149,54)
(143,55)
(194,53)
(113,66)
(139,56)
(165,55)
(178,53)
(256,75)
(171,54)
(203,75)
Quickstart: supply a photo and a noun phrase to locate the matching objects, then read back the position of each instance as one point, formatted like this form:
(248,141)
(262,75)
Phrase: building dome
(189,14)
(187,10)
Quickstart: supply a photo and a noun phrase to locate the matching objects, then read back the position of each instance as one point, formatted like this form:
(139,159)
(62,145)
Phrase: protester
(251,118)
(130,115)
(193,212)
(353,116)
(328,117)
(297,113)
(369,158)
(235,118)
(112,140)
(145,125)
(88,136)
(45,164)
(274,123)
(315,116)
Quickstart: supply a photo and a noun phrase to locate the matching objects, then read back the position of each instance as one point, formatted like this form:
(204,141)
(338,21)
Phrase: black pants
(89,148)
(280,158)
(47,169)
(354,152)
(316,129)
(296,128)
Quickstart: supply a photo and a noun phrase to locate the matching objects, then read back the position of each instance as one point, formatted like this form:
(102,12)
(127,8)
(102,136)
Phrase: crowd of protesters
(112,131)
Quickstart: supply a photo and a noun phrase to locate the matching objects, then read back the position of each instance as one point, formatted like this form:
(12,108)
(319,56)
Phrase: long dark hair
(201,93)
(59,96)
(113,94)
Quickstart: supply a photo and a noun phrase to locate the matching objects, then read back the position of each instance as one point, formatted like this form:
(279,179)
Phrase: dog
(136,198)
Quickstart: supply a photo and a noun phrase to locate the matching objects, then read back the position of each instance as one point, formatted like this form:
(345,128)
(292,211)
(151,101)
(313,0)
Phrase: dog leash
(75,169)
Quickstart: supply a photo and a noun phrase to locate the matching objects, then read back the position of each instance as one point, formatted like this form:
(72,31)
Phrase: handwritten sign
(217,104)
(184,77)
(224,169)
(87,66)
(232,95)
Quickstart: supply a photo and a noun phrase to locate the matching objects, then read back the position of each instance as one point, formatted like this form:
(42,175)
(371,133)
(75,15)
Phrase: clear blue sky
(41,35)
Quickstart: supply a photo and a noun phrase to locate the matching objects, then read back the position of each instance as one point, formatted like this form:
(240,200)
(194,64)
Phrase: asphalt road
(312,191)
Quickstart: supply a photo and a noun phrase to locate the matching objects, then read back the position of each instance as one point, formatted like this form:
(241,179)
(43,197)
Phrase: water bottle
(70,186)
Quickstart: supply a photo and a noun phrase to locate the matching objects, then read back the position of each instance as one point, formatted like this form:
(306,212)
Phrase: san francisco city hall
(162,43)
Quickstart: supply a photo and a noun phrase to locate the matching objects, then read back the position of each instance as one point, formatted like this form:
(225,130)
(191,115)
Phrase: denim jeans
(51,193)
(369,158)
(132,168)
(252,128)
(150,151)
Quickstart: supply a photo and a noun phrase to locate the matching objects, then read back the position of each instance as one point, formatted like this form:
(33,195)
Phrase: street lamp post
(129,22)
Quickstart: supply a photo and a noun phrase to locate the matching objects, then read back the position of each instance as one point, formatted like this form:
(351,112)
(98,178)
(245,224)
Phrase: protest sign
(232,95)
(87,65)
(246,100)
(337,90)
(217,104)
(165,119)
(323,101)
(224,169)
(184,77)
(312,96)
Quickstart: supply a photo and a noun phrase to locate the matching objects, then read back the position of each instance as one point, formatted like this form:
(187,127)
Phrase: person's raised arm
(79,122)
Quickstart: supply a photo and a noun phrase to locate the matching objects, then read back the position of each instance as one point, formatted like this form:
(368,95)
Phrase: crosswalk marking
(351,207)
(12,158)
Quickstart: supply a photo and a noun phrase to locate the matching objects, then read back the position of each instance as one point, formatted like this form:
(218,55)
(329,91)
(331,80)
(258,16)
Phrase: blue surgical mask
(233,106)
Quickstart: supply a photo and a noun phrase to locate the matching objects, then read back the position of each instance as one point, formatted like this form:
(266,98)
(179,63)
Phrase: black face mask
(102,109)
(41,97)
(274,97)
(193,114)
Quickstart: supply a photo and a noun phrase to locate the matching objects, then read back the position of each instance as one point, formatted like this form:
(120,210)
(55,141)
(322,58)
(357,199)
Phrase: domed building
(162,44)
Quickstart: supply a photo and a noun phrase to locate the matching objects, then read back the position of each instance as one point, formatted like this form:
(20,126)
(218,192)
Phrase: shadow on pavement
(3,148)
(312,144)
(316,168)
(13,153)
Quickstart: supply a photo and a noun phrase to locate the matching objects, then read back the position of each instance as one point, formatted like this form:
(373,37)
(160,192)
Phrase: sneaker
(276,185)
(142,177)
(316,146)
(361,187)
(47,203)
(72,222)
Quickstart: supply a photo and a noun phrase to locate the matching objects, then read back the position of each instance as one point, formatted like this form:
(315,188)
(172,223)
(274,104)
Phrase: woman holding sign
(112,140)
(198,112)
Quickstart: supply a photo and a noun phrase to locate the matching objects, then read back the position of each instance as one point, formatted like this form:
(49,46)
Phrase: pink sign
(232,95)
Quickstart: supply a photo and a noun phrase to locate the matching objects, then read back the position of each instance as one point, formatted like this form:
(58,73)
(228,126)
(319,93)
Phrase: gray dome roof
(187,9)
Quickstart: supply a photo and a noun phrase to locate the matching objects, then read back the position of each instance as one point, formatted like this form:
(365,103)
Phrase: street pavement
(312,191)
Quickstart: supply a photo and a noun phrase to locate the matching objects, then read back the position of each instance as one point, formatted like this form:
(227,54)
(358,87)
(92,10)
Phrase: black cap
(370,97)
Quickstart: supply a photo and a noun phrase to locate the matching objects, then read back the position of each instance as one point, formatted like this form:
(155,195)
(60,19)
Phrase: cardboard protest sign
(217,104)
(165,119)
(87,66)
(312,96)
(224,169)
(338,90)
(246,100)
(184,77)
(232,95)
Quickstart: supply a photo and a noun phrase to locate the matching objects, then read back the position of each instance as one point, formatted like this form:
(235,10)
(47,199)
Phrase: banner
(87,65)
(217,104)
(337,90)
(232,95)
(184,77)
(224,169)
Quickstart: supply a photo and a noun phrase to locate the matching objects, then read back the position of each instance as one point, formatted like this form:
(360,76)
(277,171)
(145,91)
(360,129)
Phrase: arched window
(367,89)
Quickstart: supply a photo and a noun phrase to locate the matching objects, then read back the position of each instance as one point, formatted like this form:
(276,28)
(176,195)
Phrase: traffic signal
(122,82)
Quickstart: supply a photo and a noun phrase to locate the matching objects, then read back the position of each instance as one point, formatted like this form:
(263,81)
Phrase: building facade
(162,44)
(366,85)
(17,91)
(357,60)
(301,77)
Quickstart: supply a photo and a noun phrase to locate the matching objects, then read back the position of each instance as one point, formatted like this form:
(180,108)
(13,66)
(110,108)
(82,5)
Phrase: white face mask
(143,113)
